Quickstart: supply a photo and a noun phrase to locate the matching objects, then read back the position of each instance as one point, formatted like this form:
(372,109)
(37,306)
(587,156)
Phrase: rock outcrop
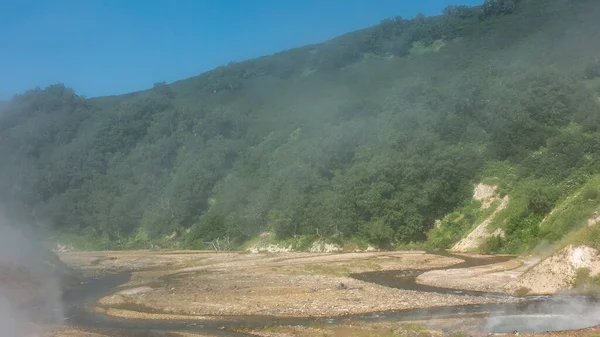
(474,240)
(270,248)
(486,194)
(593,220)
(324,247)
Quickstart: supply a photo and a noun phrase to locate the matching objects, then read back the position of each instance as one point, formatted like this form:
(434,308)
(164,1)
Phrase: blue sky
(105,47)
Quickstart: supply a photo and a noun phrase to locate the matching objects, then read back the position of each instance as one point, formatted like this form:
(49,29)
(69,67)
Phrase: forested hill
(371,136)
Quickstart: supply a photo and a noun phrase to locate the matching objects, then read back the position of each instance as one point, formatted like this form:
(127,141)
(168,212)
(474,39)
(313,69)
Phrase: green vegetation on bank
(367,138)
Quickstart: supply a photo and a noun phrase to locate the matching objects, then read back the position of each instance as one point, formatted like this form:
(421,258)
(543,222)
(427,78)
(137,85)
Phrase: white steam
(564,314)
(30,294)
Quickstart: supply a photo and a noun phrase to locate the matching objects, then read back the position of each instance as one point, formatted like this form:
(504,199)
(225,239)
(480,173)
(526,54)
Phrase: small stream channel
(531,314)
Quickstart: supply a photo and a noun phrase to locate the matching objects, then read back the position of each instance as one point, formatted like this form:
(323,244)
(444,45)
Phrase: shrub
(493,245)
(590,236)
(541,199)
(523,291)
(380,233)
(584,281)
(590,193)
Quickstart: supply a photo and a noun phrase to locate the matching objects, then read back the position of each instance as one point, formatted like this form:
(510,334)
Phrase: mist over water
(30,294)
(564,313)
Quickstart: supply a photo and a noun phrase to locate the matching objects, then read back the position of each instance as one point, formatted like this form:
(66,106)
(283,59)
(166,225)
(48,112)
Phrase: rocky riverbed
(196,288)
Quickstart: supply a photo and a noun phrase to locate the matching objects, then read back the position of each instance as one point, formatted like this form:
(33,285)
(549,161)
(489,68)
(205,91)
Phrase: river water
(531,314)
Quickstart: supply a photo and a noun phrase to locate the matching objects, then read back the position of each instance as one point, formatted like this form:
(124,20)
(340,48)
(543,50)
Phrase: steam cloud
(30,295)
(563,313)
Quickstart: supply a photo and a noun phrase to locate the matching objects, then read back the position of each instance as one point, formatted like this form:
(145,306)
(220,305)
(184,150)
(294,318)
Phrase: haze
(114,47)
(199,201)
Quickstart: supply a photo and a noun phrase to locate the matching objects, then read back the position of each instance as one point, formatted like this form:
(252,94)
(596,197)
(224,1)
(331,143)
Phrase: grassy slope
(571,210)
(565,222)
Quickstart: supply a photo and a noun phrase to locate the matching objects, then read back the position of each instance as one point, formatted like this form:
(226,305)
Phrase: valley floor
(203,286)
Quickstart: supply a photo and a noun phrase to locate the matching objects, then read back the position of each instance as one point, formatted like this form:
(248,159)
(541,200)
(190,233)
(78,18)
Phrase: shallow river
(532,314)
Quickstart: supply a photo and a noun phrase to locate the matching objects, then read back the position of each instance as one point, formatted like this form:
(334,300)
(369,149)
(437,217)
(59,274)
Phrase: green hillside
(369,137)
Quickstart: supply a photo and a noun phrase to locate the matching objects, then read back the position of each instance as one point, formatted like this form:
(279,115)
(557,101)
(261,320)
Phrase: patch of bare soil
(186,334)
(74,332)
(80,332)
(522,276)
(474,240)
(137,314)
(490,278)
(486,194)
(286,284)
(107,262)
(453,327)
(354,329)
(558,271)
(349,329)
(590,332)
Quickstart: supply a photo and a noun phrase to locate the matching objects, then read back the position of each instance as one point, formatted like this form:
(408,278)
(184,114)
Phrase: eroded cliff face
(487,195)
(558,271)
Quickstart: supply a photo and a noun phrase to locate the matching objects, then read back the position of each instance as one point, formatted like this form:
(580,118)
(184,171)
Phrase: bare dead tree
(214,246)
(165,204)
(220,246)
